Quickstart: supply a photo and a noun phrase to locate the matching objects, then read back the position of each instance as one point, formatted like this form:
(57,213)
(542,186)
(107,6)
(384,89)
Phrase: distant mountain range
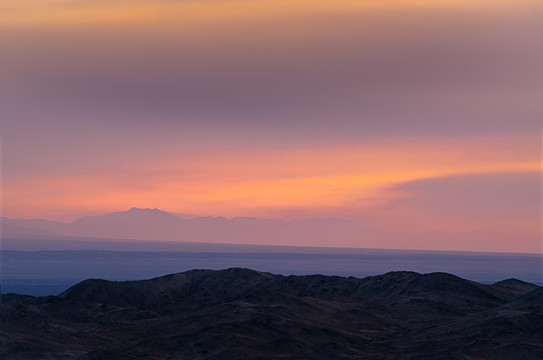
(243,314)
(154,224)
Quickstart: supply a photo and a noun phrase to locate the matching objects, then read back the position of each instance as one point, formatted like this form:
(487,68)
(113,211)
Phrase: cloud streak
(263,181)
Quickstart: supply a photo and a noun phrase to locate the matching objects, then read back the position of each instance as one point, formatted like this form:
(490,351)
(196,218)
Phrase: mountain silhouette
(154,224)
(244,314)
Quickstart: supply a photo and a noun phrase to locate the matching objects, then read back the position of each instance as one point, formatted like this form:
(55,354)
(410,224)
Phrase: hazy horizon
(156,225)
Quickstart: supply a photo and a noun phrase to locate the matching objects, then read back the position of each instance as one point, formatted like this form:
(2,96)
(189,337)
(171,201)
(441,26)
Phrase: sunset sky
(406,116)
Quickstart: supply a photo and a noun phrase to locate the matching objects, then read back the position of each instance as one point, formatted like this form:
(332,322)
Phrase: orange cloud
(261,182)
(39,13)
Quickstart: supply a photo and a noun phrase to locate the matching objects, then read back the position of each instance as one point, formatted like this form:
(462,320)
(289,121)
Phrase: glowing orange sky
(262,182)
(383,112)
(63,12)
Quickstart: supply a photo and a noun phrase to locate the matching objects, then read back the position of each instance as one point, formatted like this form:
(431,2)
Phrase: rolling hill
(244,314)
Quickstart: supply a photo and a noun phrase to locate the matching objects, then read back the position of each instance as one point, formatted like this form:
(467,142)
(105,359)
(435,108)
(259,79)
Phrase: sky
(407,116)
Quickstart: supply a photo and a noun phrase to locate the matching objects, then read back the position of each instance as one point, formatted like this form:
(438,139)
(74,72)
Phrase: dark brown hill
(514,287)
(530,301)
(245,314)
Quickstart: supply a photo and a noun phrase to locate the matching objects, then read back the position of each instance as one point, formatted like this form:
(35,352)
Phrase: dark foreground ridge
(244,314)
